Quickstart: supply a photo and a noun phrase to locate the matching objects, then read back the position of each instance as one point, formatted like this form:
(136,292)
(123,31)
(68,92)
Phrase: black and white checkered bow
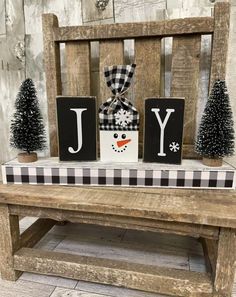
(117,113)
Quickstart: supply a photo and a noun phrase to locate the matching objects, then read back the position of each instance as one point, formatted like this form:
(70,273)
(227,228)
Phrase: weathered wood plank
(210,252)
(138,11)
(9,243)
(111,53)
(231,69)
(225,263)
(53,76)
(119,273)
(61,291)
(77,68)
(3,17)
(185,78)
(118,221)
(35,232)
(23,288)
(202,25)
(188,152)
(92,13)
(220,41)
(147,75)
(207,207)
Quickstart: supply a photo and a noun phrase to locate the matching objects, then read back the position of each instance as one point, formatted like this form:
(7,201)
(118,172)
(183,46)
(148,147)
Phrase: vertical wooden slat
(225,265)
(78,68)
(147,75)
(53,76)
(185,80)
(111,53)
(220,41)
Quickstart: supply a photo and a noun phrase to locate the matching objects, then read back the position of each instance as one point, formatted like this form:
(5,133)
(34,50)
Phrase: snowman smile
(117,150)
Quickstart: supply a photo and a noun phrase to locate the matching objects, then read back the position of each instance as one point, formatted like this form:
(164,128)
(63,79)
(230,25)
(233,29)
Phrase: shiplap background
(21,45)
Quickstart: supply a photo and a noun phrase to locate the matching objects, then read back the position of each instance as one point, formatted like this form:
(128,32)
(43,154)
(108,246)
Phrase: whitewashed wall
(21,48)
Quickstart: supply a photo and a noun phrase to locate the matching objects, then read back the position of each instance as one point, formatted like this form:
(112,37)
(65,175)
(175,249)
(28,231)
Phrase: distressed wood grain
(136,10)
(131,275)
(225,263)
(78,68)
(208,207)
(25,289)
(12,44)
(142,254)
(210,253)
(9,243)
(3,17)
(191,10)
(35,232)
(185,78)
(147,75)
(92,13)
(69,13)
(53,76)
(203,25)
(124,222)
(111,53)
(220,41)
(62,292)
(230,69)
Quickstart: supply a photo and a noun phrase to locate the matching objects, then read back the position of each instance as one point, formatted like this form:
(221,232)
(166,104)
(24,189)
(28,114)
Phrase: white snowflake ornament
(174,147)
(123,117)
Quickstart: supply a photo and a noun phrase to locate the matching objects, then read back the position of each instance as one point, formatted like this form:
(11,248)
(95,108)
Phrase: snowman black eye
(115,135)
(123,136)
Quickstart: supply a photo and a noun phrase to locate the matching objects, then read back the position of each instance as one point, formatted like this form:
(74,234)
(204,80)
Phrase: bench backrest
(147,37)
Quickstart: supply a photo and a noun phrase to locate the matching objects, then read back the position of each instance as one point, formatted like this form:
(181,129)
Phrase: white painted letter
(78,112)
(162,126)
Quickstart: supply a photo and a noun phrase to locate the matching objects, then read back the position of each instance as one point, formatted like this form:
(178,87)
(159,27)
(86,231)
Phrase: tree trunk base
(212,162)
(27,158)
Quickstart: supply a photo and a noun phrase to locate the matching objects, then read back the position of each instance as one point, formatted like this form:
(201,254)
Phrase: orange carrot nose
(122,142)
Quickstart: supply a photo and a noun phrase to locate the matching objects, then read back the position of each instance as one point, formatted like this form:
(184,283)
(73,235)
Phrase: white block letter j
(162,126)
(78,112)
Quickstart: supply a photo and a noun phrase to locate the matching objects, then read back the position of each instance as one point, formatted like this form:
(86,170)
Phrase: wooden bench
(206,214)
(209,215)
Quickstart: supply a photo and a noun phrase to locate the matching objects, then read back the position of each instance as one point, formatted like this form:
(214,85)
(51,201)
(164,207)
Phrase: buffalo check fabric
(119,77)
(118,113)
(120,177)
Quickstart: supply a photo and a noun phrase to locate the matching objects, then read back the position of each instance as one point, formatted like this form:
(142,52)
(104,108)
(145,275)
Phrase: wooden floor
(140,247)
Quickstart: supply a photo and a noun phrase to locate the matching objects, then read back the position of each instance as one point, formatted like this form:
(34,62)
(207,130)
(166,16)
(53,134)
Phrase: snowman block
(119,146)
(118,118)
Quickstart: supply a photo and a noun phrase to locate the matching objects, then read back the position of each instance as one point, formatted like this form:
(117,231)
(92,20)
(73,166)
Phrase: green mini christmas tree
(27,128)
(215,138)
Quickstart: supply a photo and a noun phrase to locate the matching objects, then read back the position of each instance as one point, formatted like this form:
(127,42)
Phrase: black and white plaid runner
(117,113)
(120,177)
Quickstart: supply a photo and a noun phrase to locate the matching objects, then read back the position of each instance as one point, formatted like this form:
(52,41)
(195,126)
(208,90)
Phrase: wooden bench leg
(9,243)
(225,263)
(210,248)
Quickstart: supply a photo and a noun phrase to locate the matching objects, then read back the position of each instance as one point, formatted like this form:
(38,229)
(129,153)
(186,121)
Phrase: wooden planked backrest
(147,37)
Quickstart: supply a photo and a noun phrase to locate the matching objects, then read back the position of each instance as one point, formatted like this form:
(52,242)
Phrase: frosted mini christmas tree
(27,129)
(215,138)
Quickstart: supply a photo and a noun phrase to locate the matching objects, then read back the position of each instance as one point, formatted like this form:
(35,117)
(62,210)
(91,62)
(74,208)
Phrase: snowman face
(120,143)
(119,146)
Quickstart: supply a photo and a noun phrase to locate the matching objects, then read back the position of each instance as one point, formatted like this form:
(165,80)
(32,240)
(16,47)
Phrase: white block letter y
(162,126)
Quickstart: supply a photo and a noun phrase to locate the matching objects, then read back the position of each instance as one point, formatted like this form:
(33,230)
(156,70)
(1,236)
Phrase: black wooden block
(77,131)
(163,130)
